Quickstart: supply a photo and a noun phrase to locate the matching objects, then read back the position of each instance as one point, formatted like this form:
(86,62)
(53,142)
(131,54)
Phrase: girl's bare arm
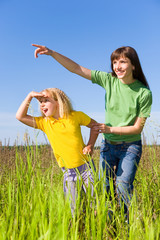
(22,115)
(88,149)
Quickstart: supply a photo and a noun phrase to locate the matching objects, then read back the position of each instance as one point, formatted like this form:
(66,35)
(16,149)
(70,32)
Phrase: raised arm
(22,115)
(88,149)
(64,61)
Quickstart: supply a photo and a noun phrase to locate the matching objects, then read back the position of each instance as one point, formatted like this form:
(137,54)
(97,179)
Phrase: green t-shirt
(123,103)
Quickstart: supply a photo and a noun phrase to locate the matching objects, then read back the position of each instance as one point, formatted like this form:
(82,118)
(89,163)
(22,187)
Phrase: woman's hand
(101,128)
(41,50)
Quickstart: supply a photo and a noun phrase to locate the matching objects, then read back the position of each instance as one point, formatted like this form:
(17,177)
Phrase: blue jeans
(120,161)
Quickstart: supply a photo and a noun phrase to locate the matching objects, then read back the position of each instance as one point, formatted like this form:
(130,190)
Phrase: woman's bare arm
(64,61)
(126,130)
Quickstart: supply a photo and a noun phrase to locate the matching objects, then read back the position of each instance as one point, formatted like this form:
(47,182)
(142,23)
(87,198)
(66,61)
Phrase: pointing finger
(36,45)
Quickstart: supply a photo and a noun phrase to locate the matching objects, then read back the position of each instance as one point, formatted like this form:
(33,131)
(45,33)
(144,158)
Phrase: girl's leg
(86,173)
(76,179)
(69,186)
(86,178)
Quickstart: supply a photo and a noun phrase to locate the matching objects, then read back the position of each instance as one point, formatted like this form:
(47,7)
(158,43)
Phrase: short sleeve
(145,105)
(100,78)
(39,122)
(82,118)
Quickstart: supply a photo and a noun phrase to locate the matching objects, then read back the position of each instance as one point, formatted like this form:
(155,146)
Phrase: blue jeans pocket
(135,149)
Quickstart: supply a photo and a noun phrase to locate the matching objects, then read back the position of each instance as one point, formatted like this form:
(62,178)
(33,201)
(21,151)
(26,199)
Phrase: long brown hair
(130,53)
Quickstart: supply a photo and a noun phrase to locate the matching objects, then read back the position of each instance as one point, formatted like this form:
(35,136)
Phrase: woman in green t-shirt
(127,104)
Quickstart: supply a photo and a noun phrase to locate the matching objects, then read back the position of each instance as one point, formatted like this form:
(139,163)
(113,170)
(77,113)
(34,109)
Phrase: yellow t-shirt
(65,137)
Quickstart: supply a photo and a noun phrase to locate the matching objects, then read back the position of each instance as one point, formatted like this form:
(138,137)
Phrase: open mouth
(45,110)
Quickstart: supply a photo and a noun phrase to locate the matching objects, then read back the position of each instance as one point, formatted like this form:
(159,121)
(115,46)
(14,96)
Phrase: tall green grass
(32,204)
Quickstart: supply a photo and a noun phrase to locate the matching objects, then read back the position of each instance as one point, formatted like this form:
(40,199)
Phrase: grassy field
(32,204)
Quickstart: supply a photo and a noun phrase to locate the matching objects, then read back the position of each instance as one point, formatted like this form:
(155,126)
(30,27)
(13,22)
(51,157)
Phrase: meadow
(32,204)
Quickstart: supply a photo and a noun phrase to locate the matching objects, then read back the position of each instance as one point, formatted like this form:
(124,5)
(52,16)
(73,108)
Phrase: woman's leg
(129,155)
(107,163)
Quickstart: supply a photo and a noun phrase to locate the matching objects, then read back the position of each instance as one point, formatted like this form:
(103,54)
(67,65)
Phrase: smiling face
(123,69)
(49,106)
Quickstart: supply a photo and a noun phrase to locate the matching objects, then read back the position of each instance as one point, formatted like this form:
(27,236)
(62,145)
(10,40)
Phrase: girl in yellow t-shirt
(62,126)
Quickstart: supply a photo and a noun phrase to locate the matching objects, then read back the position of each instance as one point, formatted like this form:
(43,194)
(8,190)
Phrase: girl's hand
(88,149)
(41,50)
(101,128)
(37,95)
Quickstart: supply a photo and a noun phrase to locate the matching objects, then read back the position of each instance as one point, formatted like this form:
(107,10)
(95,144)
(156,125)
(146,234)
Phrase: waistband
(116,143)
(81,167)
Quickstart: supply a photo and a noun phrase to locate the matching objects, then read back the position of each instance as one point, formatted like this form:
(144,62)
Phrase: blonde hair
(64,103)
